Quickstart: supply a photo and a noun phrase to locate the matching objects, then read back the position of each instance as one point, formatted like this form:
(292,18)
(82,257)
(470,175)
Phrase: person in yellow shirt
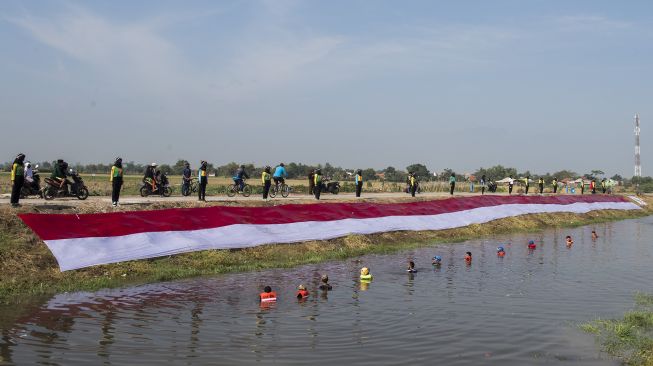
(17,179)
(203,181)
(116,181)
(265,179)
(317,181)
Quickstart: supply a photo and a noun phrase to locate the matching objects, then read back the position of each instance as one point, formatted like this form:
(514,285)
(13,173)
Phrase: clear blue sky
(538,85)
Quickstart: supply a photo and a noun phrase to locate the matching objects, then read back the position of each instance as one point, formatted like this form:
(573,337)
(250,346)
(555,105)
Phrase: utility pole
(638,163)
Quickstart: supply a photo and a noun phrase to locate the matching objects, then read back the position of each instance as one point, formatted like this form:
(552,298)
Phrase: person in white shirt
(511,182)
(29,174)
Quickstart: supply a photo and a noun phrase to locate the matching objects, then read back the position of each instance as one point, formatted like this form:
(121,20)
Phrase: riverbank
(29,268)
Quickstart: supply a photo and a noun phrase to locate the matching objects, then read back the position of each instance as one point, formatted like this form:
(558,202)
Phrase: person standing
(185,177)
(317,183)
(311,181)
(582,186)
(452,183)
(483,184)
(554,183)
(526,183)
(203,180)
(511,183)
(116,181)
(17,179)
(593,186)
(603,185)
(412,181)
(540,183)
(359,182)
(265,179)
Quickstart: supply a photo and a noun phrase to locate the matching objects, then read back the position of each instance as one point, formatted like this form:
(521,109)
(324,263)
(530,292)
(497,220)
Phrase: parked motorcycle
(330,187)
(77,188)
(162,187)
(33,188)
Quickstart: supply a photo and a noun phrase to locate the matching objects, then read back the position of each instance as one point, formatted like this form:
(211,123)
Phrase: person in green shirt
(116,181)
(452,183)
(265,179)
(317,181)
(17,179)
(526,184)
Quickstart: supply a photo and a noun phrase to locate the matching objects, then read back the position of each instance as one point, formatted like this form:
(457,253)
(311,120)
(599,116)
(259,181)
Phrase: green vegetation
(28,267)
(629,338)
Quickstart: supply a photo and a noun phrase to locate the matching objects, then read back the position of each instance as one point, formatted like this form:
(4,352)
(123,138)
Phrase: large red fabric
(67,226)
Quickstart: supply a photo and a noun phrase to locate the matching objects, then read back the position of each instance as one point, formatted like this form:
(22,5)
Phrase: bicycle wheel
(247,190)
(273,191)
(231,190)
(285,190)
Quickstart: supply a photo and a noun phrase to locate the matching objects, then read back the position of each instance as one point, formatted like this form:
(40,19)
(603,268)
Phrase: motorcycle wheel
(231,190)
(167,192)
(82,194)
(273,191)
(48,193)
(285,190)
(247,190)
(144,191)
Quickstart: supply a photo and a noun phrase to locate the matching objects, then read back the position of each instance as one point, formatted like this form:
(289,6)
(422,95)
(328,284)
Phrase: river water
(518,310)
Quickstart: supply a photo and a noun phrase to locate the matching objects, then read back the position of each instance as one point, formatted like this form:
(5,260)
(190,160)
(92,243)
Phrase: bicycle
(276,188)
(192,187)
(234,189)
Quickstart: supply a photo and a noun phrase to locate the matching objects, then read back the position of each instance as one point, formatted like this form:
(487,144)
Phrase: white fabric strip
(85,252)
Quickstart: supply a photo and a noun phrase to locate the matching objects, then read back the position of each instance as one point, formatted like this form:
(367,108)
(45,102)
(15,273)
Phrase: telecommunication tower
(638,164)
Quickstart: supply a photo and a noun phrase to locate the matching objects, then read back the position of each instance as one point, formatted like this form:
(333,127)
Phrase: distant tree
(420,171)
(165,169)
(617,177)
(564,174)
(496,172)
(445,174)
(369,174)
(227,170)
(179,166)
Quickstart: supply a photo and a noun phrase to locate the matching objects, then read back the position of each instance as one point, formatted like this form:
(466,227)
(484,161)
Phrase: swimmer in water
(569,241)
(594,236)
(302,293)
(468,257)
(501,252)
(411,267)
(436,261)
(267,295)
(325,283)
(365,274)
(531,244)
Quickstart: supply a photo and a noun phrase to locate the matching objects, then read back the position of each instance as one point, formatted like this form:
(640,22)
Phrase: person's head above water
(531,242)
(500,249)
(468,255)
(411,264)
(436,259)
(365,271)
(301,287)
(267,289)
(325,278)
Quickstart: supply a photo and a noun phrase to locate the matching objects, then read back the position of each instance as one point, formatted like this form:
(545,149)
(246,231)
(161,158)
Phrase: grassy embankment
(28,267)
(629,338)
(98,185)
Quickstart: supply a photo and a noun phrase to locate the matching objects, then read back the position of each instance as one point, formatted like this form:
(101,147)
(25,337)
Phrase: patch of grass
(643,299)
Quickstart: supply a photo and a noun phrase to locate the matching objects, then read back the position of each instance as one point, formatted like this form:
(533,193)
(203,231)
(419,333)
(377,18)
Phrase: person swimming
(325,283)
(594,236)
(436,261)
(501,252)
(411,267)
(531,244)
(468,257)
(302,293)
(365,274)
(267,295)
(569,241)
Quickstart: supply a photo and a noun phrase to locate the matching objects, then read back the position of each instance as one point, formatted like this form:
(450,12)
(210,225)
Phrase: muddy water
(517,310)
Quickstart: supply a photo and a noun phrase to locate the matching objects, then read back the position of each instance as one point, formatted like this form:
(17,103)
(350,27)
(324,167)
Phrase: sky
(535,85)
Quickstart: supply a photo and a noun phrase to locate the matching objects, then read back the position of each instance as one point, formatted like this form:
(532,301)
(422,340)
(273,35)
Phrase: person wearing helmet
(149,177)
(317,183)
(436,261)
(501,252)
(359,182)
(279,175)
(29,173)
(17,178)
(59,174)
(265,179)
(116,181)
(239,178)
(185,178)
(203,179)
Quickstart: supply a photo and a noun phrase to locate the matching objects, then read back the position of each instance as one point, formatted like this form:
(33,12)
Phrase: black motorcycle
(330,187)
(162,187)
(492,187)
(33,188)
(77,189)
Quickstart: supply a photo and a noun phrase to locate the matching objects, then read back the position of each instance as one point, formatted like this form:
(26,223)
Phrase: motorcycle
(492,187)
(33,188)
(162,187)
(330,187)
(77,189)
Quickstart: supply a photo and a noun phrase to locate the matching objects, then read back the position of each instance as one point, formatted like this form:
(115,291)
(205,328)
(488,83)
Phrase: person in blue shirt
(279,175)
(359,182)
(238,178)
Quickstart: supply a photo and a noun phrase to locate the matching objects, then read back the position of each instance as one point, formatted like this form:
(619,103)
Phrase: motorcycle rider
(279,175)
(17,179)
(59,175)
(317,182)
(203,181)
(116,181)
(29,174)
(359,182)
(149,177)
(185,176)
(239,178)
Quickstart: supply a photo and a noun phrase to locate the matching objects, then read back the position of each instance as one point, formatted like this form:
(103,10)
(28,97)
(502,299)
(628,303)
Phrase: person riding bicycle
(279,175)
(185,177)
(238,178)
(149,177)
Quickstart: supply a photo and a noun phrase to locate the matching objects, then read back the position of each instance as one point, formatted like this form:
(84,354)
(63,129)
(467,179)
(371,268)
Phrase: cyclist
(238,178)
(279,175)
(185,176)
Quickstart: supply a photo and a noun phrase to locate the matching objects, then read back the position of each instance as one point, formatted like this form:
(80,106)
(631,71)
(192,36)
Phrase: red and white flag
(79,241)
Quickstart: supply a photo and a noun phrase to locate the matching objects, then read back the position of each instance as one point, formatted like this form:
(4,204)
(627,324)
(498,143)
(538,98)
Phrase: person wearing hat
(436,261)
(17,179)
(203,179)
(149,177)
(359,182)
(116,181)
(265,179)
(317,183)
